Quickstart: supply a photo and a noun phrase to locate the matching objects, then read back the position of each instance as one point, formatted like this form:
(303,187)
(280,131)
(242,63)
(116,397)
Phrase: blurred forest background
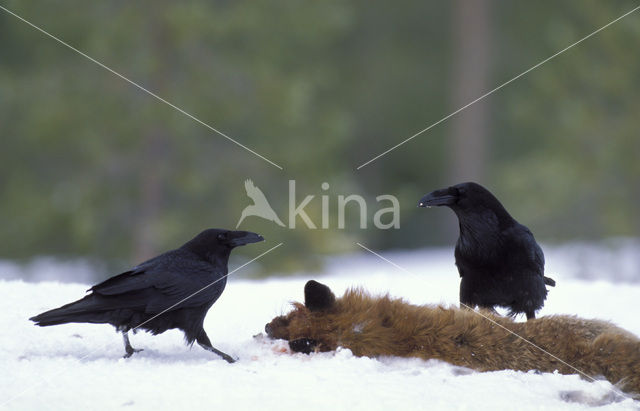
(92,167)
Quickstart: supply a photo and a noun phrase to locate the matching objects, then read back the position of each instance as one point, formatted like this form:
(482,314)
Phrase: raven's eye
(222,236)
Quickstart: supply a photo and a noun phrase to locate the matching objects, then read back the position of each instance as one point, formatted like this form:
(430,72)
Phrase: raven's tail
(82,311)
(550,281)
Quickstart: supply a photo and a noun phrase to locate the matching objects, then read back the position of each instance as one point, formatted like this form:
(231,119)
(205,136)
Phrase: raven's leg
(205,343)
(466,296)
(531,314)
(491,309)
(467,305)
(127,346)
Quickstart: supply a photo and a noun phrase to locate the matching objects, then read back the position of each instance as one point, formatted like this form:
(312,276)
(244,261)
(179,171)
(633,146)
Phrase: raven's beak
(438,198)
(244,237)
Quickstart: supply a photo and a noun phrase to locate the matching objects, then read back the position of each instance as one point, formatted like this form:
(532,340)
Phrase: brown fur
(382,326)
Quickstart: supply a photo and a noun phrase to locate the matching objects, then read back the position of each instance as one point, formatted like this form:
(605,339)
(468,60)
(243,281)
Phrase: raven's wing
(161,285)
(255,194)
(122,283)
(133,279)
(523,238)
(458,257)
(203,285)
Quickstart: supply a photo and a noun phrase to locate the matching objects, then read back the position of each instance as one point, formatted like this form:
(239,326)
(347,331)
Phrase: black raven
(498,259)
(172,290)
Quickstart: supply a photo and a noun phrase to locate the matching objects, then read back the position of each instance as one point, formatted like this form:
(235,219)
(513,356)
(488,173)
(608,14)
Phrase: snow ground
(79,366)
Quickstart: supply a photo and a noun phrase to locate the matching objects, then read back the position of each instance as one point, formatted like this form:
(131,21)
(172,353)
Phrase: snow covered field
(80,366)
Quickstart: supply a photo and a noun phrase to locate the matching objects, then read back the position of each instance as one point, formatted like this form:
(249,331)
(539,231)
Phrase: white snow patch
(79,366)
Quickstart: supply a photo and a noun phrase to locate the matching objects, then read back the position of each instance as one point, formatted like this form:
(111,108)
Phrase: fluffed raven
(172,290)
(499,261)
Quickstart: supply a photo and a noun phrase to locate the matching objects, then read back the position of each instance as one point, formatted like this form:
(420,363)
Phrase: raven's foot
(493,311)
(224,356)
(467,306)
(131,352)
(205,342)
(127,346)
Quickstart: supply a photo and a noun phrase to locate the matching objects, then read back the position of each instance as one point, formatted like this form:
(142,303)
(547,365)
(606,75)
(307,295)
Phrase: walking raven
(172,290)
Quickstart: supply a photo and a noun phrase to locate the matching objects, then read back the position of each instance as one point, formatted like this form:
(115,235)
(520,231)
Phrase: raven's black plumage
(499,261)
(172,290)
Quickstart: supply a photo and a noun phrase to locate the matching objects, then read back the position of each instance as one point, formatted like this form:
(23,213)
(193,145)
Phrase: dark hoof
(303,345)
